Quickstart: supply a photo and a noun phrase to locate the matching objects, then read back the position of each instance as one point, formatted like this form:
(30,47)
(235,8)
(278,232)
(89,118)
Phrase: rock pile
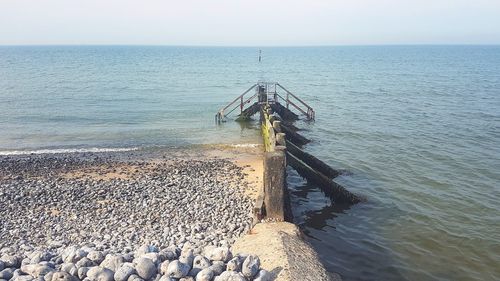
(146,263)
(109,205)
(168,202)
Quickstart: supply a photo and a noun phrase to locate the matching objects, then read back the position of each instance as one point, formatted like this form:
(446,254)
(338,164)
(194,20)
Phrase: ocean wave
(66,150)
(245,145)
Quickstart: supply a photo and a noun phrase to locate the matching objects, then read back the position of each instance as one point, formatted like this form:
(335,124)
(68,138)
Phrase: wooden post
(274,184)
(334,190)
(294,137)
(276,126)
(281,139)
(310,160)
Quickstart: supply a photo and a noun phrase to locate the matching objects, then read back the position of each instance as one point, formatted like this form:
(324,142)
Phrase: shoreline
(101,221)
(36,175)
(169,206)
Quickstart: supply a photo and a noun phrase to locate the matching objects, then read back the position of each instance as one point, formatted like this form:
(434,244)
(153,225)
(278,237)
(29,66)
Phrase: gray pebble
(62,276)
(96,256)
(82,272)
(84,262)
(48,276)
(187,257)
(263,275)
(199,263)
(36,270)
(234,264)
(135,277)
(22,278)
(112,262)
(39,256)
(166,278)
(154,257)
(145,268)
(218,267)
(144,249)
(124,272)
(219,254)
(176,269)
(11,261)
(70,268)
(163,267)
(98,273)
(251,266)
(206,274)
(72,254)
(230,276)
(7,273)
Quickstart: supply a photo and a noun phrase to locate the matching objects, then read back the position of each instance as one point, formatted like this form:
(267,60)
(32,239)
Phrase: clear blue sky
(249,22)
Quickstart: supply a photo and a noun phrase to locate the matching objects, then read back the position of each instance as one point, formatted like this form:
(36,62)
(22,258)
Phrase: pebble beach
(127,215)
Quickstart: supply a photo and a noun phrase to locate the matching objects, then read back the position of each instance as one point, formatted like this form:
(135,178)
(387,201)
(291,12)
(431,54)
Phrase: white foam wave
(246,145)
(65,150)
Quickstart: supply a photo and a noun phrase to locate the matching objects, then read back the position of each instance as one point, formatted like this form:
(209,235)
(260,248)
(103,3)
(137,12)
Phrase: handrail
(298,108)
(245,102)
(272,97)
(239,97)
(297,98)
(220,114)
(310,111)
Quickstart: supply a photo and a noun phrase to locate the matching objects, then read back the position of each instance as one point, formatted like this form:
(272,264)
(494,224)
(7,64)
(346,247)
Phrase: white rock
(219,254)
(112,262)
(96,256)
(164,267)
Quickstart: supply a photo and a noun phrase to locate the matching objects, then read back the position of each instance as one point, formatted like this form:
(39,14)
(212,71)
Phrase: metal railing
(296,102)
(267,93)
(221,114)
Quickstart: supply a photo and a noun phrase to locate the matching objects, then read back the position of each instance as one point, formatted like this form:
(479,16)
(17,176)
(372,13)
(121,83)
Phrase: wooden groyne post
(282,147)
(275,188)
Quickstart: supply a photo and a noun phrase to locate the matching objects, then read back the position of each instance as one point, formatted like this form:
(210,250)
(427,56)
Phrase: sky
(249,22)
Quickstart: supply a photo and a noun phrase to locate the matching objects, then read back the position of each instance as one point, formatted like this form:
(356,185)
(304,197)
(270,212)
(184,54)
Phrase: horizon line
(250,46)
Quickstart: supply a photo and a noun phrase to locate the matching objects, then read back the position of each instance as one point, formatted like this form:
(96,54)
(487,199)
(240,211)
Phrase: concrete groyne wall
(274,238)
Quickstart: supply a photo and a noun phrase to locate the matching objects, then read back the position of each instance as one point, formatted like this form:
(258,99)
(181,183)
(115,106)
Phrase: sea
(416,130)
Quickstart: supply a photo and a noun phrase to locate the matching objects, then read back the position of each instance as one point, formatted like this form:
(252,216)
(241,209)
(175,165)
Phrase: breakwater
(278,132)
(272,208)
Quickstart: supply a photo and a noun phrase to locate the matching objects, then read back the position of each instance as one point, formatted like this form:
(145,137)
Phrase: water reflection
(329,228)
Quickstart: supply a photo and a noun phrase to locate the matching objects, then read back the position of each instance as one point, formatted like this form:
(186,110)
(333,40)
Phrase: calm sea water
(417,127)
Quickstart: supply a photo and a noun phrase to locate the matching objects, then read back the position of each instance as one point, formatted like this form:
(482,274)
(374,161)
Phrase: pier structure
(260,94)
(283,147)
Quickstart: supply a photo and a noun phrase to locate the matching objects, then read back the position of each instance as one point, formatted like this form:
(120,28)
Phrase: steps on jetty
(283,146)
(271,93)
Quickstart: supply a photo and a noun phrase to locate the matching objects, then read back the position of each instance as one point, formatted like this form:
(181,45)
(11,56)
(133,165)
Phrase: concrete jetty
(274,237)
